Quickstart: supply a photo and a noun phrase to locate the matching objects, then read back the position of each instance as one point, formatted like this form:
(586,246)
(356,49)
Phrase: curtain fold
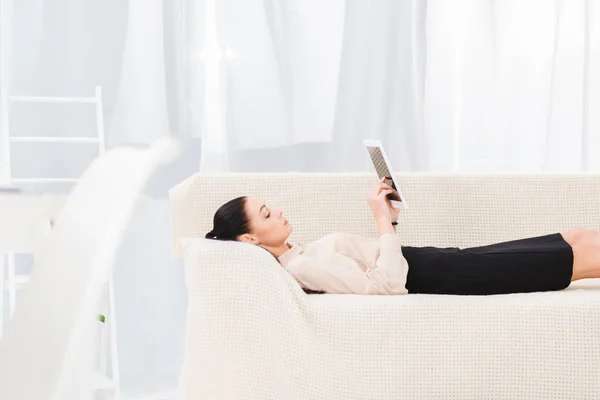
(141,109)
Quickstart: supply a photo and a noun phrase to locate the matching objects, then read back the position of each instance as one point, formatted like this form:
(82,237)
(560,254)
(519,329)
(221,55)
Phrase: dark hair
(231,221)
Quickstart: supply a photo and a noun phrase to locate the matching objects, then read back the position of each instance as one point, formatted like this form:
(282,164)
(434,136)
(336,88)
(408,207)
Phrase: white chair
(47,349)
(6,173)
(15,282)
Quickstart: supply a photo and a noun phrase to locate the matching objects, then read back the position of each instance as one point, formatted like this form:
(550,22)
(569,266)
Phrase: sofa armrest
(184,209)
(244,311)
(213,266)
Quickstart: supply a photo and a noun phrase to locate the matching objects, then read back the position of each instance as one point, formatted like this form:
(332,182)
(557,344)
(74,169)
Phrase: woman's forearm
(384,225)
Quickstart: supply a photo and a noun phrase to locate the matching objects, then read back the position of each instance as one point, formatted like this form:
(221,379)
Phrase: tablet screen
(382,170)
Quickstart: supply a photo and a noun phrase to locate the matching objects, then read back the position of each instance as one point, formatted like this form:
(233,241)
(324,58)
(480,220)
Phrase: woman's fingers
(379,186)
(373,192)
(385,192)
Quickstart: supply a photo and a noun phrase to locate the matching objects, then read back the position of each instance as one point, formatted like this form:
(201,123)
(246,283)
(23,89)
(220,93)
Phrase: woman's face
(267,224)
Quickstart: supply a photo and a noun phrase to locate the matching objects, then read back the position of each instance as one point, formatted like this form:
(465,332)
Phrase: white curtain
(465,85)
(295,85)
(513,85)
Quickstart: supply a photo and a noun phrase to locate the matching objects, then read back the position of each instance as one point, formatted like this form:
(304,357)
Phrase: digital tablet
(382,167)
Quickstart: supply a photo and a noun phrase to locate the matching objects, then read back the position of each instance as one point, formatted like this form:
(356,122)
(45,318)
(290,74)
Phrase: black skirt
(535,264)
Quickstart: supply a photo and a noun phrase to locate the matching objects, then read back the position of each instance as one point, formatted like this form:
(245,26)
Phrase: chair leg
(114,355)
(108,350)
(12,283)
(102,346)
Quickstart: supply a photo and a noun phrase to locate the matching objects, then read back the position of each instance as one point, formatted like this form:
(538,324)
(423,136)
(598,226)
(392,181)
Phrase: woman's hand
(380,206)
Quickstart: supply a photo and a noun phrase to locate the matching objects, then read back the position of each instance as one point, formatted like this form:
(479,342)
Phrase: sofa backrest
(443,209)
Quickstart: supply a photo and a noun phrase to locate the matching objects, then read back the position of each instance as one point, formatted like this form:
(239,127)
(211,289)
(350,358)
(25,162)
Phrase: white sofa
(254,334)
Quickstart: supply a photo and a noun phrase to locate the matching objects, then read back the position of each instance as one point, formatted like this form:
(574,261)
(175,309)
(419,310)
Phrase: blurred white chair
(47,350)
(8,138)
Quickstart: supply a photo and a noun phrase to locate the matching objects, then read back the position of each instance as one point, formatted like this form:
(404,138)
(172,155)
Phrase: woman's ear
(247,238)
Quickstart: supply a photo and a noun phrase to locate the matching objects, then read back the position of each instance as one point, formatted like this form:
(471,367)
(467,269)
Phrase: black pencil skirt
(535,264)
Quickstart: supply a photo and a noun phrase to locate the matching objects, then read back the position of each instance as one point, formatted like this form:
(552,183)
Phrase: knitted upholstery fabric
(254,334)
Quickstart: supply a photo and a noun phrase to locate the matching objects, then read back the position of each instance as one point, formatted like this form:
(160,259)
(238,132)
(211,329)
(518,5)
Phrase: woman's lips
(285,222)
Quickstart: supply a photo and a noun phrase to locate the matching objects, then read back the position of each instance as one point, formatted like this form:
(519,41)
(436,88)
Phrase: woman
(345,263)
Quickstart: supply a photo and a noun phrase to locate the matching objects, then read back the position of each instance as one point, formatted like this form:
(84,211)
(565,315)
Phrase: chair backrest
(7,139)
(443,209)
(48,339)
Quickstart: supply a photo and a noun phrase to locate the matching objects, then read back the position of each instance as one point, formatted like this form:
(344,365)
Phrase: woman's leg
(586,252)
